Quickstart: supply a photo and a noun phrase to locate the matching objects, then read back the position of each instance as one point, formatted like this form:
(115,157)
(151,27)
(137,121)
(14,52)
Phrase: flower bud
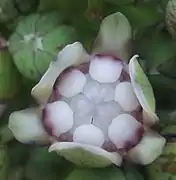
(36,41)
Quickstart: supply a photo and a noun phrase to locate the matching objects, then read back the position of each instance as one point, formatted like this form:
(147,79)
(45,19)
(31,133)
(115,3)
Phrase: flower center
(95,104)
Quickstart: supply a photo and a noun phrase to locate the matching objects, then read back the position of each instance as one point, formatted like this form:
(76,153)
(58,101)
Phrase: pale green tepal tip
(83,158)
(27,127)
(114,36)
(143,90)
(86,155)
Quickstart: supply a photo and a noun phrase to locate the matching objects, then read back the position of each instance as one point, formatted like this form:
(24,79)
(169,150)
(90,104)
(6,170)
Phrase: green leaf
(156,50)
(170,128)
(141,16)
(43,165)
(163,82)
(66,7)
(158,3)
(110,173)
(167,117)
(16,173)
(72,10)
(168,68)
(9,77)
(6,134)
(18,153)
(131,172)
(120,2)
(46,5)
(26,6)
(164,90)
(4,163)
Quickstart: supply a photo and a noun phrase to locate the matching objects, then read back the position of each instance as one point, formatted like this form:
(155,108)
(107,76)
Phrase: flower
(94,109)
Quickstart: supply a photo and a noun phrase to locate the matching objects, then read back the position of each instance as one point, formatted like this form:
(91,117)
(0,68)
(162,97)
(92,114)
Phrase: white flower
(95,108)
